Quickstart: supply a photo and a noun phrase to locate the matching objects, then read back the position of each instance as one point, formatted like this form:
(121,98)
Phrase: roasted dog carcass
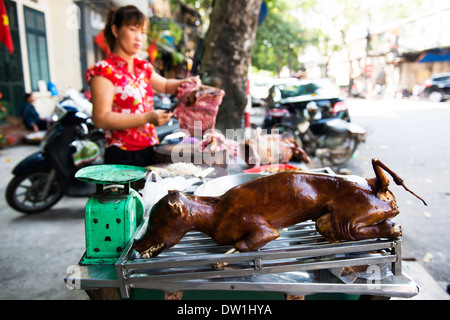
(262,149)
(249,215)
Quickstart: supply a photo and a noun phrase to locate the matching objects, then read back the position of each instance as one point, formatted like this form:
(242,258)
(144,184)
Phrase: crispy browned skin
(249,216)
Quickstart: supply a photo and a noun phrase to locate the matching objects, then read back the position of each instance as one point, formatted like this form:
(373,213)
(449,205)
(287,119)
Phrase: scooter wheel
(343,153)
(26,193)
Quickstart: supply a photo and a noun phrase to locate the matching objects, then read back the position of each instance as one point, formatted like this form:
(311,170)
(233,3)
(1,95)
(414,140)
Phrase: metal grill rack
(289,264)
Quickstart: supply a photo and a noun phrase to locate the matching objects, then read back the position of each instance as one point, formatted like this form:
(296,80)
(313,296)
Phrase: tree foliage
(292,25)
(279,38)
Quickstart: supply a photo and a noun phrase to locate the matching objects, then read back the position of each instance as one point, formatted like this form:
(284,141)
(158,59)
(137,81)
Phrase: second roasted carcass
(215,142)
(262,149)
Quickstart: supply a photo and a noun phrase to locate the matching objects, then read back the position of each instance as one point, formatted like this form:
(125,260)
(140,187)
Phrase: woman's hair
(127,15)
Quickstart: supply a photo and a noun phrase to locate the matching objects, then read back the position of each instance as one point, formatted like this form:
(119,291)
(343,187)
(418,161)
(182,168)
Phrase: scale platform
(111,174)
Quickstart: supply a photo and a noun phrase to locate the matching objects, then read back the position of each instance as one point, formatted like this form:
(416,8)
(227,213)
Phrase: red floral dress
(133,94)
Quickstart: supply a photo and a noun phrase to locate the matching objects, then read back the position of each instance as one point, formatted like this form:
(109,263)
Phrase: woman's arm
(169,86)
(164,85)
(103,92)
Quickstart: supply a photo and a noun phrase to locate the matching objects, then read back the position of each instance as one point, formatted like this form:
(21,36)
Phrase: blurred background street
(36,250)
(412,138)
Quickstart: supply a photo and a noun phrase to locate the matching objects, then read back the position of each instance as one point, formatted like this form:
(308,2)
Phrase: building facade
(53,45)
(46,49)
(398,57)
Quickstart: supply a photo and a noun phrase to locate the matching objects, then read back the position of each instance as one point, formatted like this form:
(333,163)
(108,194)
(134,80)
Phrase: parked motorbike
(42,178)
(331,139)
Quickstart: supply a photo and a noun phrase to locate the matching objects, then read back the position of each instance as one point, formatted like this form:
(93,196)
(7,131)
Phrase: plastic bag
(179,183)
(85,152)
(153,191)
(156,187)
(366,272)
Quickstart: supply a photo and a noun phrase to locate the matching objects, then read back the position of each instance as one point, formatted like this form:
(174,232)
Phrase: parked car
(437,88)
(294,95)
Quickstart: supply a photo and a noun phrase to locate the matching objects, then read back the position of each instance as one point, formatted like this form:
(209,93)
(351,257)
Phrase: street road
(36,250)
(411,137)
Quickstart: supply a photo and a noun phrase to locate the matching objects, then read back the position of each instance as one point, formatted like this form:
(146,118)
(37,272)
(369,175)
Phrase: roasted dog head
(170,219)
(166,216)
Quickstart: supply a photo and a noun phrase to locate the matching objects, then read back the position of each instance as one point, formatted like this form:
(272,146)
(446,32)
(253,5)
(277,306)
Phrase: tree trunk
(227,56)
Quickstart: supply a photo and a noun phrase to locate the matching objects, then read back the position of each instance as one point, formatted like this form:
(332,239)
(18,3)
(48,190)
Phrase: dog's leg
(262,235)
(325,227)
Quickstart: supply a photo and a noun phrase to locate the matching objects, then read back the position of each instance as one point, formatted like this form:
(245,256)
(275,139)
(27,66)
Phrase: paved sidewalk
(429,288)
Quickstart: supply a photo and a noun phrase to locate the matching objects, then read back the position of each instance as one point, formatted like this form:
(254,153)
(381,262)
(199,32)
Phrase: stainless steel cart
(298,263)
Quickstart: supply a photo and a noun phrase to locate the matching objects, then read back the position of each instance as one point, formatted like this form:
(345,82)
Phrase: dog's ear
(381,184)
(176,207)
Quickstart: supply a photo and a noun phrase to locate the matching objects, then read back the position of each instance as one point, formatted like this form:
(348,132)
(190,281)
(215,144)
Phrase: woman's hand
(159,117)
(194,80)
(170,86)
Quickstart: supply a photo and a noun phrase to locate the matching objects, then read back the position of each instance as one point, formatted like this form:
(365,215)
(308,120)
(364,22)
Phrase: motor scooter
(331,139)
(42,178)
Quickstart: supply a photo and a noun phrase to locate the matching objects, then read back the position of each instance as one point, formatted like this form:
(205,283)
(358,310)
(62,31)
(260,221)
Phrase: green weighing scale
(112,213)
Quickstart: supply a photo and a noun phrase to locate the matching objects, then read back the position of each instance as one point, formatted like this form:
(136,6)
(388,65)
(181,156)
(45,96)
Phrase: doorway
(11,72)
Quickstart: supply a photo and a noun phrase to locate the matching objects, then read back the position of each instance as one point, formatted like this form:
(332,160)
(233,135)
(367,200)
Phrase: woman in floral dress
(122,91)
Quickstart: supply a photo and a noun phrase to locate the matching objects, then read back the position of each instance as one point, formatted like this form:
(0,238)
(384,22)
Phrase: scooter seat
(337,125)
